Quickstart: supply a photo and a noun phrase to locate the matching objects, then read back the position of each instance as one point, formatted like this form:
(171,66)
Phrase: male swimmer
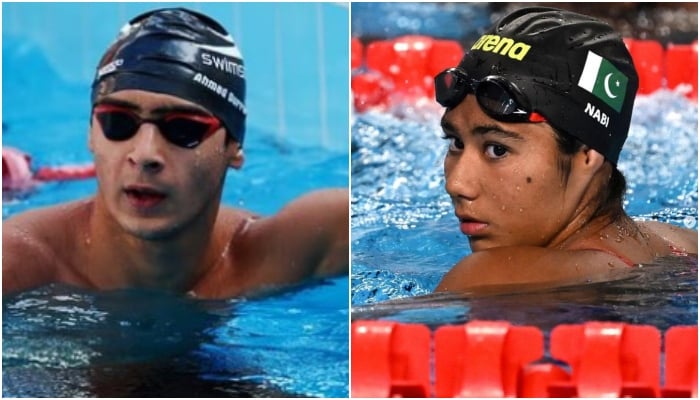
(168,119)
(536,115)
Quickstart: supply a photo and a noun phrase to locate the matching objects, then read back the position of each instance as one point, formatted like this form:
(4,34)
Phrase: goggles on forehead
(498,97)
(183,129)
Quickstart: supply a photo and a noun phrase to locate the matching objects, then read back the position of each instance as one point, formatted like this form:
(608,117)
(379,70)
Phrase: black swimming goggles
(498,97)
(184,129)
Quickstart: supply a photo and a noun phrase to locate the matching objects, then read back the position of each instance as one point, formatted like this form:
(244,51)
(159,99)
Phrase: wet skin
(525,223)
(156,222)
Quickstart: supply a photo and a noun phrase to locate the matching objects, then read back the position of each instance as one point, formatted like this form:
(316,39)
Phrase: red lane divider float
(497,359)
(607,360)
(489,357)
(17,173)
(648,57)
(404,68)
(682,68)
(390,360)
(681,362)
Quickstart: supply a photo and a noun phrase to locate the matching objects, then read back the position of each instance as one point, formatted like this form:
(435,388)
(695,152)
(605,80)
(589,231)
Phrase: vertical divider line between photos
(348,5)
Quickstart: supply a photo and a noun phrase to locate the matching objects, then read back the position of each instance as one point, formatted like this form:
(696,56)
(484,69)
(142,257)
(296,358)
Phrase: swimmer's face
(150,186)
(503,179)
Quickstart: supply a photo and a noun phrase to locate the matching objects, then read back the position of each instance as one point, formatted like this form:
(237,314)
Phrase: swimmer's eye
(455,143)
(494,150)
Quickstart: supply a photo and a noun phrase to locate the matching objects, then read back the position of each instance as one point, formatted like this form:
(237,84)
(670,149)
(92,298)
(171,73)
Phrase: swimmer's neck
(588,224)
(173,264)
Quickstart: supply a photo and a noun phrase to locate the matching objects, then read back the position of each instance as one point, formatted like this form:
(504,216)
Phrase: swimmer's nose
(148,145)
(461,178)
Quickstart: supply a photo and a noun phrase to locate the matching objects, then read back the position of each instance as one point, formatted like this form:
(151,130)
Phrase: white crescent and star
(606,86)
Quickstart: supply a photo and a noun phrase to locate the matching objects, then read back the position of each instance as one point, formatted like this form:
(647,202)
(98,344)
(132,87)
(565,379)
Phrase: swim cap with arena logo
(574,69)
(182,53)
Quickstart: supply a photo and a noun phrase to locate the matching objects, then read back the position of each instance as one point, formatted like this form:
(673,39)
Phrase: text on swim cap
(223,64)
(221,91)
(503,46)
(111,67)
(596,114)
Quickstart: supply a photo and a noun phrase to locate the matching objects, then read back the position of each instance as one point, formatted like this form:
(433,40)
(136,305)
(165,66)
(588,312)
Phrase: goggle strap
(537,117)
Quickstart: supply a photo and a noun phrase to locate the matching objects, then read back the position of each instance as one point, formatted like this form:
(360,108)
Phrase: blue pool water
(405,236)
(63,342)
(60,341)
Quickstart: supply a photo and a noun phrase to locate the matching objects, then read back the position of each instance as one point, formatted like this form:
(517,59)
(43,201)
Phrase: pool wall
(306,42)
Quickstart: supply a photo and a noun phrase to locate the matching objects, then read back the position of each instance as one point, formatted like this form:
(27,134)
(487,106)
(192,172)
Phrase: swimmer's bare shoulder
(589,259)
(682,239)
(502,269)
(306,238)
(37,245)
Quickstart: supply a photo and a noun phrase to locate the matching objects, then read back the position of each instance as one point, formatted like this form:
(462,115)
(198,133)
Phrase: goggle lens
(495,95)
(182,129)
(450,88)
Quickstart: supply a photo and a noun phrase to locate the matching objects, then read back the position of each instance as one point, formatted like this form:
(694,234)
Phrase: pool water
(62,342)
(663,294)
(405,238)
(59,341)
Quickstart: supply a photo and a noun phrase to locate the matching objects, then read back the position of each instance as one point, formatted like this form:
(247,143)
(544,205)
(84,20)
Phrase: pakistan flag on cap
(605,81)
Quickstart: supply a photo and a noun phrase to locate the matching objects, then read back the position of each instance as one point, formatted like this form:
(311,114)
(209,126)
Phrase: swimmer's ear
(238,157)
(589,160)
(593,158)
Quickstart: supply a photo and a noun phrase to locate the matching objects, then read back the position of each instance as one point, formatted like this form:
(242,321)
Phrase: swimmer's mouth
(470,226)
(143,196)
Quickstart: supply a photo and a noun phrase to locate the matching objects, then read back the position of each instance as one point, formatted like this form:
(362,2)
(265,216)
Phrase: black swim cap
(181,53)
(574,69)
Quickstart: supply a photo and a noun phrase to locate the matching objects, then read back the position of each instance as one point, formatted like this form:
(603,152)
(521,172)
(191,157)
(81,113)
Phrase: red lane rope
(17,173)
(65,172)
